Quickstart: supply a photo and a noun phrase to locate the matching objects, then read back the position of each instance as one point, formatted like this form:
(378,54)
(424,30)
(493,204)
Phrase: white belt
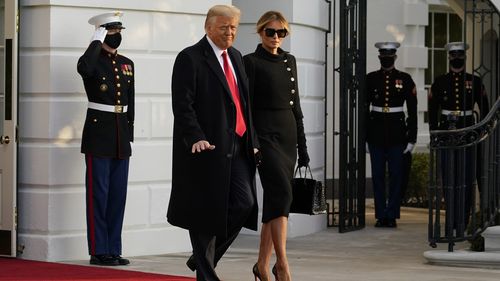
(387,109)
(456,112)
(108,108)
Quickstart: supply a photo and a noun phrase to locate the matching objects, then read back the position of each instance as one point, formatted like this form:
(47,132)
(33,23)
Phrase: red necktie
(240,121)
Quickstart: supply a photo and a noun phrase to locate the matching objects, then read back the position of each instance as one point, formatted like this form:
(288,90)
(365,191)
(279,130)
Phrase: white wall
(53,34)
(52,108)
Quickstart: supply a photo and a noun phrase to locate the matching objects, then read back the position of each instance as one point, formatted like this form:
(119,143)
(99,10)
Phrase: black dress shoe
(191,263)
(381,223)
(120,260)
(391,223)
(105,260)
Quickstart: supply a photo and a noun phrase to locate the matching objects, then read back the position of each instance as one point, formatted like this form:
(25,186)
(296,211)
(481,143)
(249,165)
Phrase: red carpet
(24,270)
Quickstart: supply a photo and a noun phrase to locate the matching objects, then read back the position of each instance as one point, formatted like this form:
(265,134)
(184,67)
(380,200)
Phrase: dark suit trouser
(387,207)
(209,249)
(106,193)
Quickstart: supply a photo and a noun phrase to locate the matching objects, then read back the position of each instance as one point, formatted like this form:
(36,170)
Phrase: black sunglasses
(271,31)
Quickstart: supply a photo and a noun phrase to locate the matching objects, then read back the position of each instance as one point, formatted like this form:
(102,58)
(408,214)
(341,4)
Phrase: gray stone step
(464,258)
(492,238)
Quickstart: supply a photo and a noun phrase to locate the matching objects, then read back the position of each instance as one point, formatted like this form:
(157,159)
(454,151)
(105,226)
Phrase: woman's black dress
(278,121)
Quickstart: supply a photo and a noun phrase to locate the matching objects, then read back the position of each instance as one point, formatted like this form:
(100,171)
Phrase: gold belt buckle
(386,109)
(456,113)
(118,108)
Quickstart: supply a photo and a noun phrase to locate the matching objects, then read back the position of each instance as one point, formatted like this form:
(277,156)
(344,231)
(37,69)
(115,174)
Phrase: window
(443,27)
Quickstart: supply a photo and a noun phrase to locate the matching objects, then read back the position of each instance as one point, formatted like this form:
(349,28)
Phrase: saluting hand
(199,146)
(99,34)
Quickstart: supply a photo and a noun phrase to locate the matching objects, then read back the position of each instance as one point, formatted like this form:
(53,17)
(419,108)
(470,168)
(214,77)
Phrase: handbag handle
(305,172)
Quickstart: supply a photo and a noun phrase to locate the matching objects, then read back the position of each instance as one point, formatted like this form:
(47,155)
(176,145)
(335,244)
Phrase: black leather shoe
(191,263)
(380,223)
(105,260)
(391,223)
(120,260)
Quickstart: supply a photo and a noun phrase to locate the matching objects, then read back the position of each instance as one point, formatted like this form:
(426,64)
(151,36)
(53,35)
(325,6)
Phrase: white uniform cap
(387,45)
(111,19)
(456,46)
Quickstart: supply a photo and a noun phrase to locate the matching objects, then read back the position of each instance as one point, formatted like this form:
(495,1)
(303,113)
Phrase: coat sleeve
(482,100)
(297,111)
(184,100)
(433,108)
(250,71)
(131,105)
(411,106)
(88,61)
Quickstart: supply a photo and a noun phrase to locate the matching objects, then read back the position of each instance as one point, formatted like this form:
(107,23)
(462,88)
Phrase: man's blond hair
(224,11)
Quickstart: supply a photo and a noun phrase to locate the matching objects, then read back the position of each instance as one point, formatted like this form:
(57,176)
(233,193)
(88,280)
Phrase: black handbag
(309,195)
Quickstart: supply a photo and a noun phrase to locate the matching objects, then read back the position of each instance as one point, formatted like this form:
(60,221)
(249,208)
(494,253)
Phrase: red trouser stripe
(90,205)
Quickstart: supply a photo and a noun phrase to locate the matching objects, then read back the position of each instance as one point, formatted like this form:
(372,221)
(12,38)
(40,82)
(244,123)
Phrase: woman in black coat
(277,118)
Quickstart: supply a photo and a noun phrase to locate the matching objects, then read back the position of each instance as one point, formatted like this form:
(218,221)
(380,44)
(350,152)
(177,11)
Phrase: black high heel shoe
(256,273)
(275,273)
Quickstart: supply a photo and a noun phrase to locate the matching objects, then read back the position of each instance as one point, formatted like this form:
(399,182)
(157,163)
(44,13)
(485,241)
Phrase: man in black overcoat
(213,192)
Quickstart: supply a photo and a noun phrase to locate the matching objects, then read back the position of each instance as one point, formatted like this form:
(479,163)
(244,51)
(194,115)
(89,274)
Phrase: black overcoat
(204,110)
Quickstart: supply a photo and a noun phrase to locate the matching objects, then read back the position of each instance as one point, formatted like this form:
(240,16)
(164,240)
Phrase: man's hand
(99,34)
(202,145)
(409,148)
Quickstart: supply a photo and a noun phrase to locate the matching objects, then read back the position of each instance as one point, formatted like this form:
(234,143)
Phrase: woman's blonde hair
(270,16)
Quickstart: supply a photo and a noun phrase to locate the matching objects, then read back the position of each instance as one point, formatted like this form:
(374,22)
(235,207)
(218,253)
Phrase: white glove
(99,34)
(367,149)
(409,148)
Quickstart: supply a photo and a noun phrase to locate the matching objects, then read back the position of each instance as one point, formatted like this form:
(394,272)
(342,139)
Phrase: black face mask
(457,63)
(386,62)
(113,40)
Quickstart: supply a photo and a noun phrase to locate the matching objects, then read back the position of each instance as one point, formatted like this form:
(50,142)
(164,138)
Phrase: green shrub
(418,182)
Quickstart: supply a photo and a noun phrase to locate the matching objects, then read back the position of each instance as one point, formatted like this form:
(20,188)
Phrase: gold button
(456,84)
(95,120)
(285,60)
(118,101)
(387,88)
(457,96)
(103,78)
(386,93)
(288,69)
(386,104)
(293,79)
(457,90)
(117,76)
(119,94)
(387,81)
(293,91)
(291,102)
(387,99)
(387,77)
(118,85)
(116,69)
(457,102)
(114,62)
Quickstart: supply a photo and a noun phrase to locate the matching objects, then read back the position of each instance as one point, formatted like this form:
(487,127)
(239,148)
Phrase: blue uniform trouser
(387,207)
(106,192)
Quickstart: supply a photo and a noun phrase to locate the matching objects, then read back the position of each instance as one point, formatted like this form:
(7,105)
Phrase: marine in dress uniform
(390,134)
(108,78)
(451,102)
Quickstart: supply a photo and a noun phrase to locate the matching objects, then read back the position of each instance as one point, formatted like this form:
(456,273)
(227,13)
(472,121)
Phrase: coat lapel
(214,65)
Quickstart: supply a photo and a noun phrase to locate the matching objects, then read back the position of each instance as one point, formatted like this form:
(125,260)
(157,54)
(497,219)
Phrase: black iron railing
(464,186)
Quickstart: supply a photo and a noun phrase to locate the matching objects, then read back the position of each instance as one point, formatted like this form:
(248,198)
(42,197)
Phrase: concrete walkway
(368,254)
